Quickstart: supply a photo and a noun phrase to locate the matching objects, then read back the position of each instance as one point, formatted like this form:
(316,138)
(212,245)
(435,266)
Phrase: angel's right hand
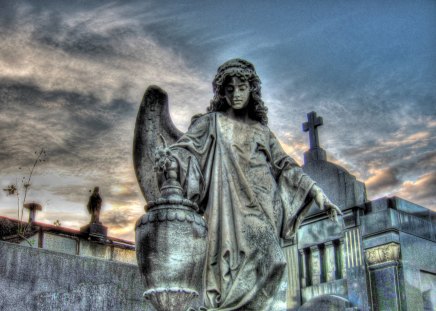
(165,164)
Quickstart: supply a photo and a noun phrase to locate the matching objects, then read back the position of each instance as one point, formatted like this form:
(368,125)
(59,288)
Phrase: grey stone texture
(249,190)
(326,303)
(152,122)
(400,250)
(381,259)
(376,259)
(37,279)
(342,188)
(171,246)
(332,269)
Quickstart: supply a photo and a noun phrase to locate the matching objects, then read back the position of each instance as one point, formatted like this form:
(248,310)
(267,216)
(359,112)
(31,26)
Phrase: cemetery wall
(40,279)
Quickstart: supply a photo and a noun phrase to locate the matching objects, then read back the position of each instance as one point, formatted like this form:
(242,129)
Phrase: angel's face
(237,93)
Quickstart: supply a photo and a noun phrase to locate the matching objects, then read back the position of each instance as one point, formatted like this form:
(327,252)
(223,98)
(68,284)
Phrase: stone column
(330,261)
(315,265)
(343,259)
(384,268)
(304,277)
(293,293)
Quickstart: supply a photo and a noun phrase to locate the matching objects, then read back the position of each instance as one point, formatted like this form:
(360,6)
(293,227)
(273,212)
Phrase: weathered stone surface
(326,303)
(400,251)
(318,233)
(342,188)
(152,121)
(418,278)
(250,191)
(59,243)
(171,245)
(397,214)
(338,249)
(96,230)
(315,152)
(35,279)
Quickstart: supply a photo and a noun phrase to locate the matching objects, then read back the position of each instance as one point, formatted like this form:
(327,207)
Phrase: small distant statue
(94,206)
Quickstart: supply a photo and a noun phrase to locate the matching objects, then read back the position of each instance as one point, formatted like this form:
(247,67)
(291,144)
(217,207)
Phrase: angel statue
(250,192)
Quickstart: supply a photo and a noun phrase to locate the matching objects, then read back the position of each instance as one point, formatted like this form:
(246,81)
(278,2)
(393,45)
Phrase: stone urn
(171,245)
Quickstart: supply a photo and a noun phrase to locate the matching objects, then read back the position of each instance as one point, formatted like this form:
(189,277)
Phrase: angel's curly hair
(245,71)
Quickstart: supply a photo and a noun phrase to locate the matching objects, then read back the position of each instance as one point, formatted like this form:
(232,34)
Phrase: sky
(72,75)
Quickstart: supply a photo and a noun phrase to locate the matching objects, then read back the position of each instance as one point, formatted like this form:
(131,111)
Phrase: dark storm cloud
(49,29)
(87,38)
(420,162)
(410,177)
(385,179)
(95,29)
(80,43)
(38,118)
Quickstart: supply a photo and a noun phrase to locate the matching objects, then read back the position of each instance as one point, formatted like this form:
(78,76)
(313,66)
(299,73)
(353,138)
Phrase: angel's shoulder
(202,120)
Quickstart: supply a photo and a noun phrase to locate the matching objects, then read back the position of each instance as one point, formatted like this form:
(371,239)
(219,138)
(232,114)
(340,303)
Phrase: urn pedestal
(171,245)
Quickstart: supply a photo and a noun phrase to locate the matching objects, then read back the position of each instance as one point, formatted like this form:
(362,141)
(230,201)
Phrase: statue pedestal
(95,230)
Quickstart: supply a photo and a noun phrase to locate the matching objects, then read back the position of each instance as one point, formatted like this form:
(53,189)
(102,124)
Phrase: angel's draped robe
(252,194)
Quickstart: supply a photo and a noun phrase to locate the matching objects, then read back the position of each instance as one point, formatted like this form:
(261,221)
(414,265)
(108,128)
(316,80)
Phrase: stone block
(94,249)
(341,187)
(60,244)
(385,287)
(318,232)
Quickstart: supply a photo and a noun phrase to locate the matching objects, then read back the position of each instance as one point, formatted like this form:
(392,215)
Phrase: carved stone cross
(311,127)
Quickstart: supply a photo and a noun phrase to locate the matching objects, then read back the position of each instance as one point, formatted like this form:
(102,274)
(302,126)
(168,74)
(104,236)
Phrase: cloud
(117,218)
(54,55)
(411,178)
(80,103)
(292,146)
(422,190)
(382,179)
(71,82)
(121,220)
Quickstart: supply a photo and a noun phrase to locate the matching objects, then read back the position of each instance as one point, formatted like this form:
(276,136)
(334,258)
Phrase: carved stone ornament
(382,254)
(171,249)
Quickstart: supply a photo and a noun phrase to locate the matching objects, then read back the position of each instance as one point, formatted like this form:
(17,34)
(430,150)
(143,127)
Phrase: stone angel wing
(152,121)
